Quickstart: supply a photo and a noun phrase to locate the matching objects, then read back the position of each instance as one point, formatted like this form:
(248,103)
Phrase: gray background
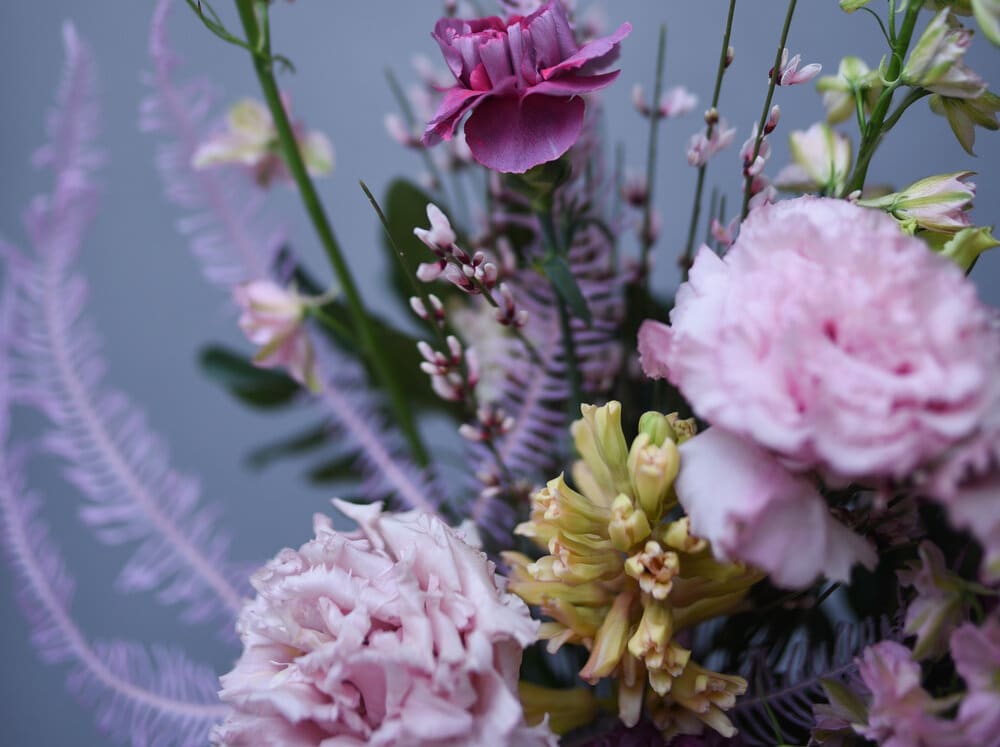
(155,311)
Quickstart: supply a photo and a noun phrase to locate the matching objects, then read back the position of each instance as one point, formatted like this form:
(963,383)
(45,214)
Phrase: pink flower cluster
(776,345)
(521,80)
(396,634)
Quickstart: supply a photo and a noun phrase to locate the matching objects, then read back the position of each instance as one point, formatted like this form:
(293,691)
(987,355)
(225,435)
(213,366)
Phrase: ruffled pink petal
(752,509)
(654,342)
(456,103)
(512,135)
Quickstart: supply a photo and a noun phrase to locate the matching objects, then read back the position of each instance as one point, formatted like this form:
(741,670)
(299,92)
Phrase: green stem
(775,70)
(553,245)
(257,31)
(654,127)
(871,137)
(685,259)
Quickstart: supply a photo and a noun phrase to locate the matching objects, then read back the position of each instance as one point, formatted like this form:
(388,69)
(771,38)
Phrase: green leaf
(297,444)
(338,469)
(255,386)
(561,276)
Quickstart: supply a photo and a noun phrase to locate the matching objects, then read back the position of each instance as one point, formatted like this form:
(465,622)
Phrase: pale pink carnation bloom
(273,318)
(901,713)
(967,482)
(976,653)
(399,634)
(829,337)
(753,510)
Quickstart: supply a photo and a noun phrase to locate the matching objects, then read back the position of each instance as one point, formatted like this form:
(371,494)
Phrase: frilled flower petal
(752,509)
(513,135)
(775,342)
(456,104)
(397,634)
(595,55)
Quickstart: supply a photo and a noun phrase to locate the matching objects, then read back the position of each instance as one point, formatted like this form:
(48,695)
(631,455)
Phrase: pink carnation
(397,634)
(522,80)
(829,337)
(752,509)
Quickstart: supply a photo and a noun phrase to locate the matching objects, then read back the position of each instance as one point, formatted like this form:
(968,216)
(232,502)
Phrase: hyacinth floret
(623,575)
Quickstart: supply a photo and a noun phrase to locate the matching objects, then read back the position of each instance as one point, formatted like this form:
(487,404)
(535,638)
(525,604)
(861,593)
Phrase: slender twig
(411,120)
(646,235)
(254,16)
(772,83)
(911,98)
(470,400)
(685,259)
(874,130)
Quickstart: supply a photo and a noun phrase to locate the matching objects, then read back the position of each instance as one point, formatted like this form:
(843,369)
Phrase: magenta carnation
(397,634)
(522,80)
(831,338)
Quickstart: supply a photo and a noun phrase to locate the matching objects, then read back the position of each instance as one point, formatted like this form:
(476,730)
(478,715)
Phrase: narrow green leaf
(561,276)
(297,444)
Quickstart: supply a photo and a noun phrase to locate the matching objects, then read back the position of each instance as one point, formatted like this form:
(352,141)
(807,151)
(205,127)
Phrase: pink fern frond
(230,241)
(381,452)
(133,494)
(151,697)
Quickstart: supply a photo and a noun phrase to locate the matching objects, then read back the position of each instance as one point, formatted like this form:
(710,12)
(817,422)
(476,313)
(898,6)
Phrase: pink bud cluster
(491,423)
(435,314)
(454,373)
(761,189)
(717,136)
(474,274)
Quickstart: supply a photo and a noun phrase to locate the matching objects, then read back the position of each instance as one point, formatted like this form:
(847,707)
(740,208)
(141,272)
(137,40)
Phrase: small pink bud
(730,55)
(418,307)
(639,101)
(440,236)
(772,120)
(676,102)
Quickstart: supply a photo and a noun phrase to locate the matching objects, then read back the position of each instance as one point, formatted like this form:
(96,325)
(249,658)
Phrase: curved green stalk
(254,16)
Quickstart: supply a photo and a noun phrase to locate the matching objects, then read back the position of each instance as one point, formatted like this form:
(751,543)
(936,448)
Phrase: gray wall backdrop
(155,311)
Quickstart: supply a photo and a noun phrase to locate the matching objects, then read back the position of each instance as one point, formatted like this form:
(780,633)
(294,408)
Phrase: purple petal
(575,85)
(456,102)
(593,56)
(512,135)
(552,37)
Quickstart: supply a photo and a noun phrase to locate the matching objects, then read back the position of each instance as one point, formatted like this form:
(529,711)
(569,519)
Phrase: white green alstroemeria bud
(251,140)
(839,92)
(937,203)
(936,62)
(821,159)
(964,115)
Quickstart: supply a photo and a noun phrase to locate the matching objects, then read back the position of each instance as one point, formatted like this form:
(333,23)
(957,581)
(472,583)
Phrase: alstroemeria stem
(872,134)
(646,234)
(775,73)
(256,29)
(685,259)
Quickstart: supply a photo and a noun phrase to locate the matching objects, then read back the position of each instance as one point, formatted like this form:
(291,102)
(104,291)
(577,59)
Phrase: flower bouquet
(573,508)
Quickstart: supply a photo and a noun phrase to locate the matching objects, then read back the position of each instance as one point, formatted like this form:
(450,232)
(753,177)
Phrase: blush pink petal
(753,510)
